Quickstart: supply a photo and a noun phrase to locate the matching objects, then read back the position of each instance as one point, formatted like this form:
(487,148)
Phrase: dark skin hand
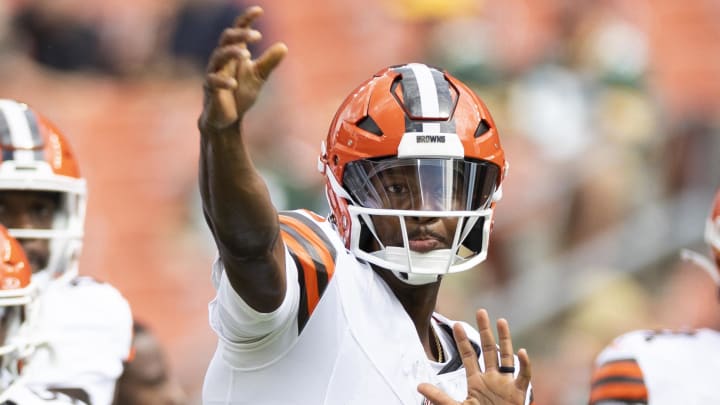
(489,387)
(236,202)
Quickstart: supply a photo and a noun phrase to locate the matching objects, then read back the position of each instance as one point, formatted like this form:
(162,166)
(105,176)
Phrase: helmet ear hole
(474,240)
(368,124)
(366,237)
(482,128)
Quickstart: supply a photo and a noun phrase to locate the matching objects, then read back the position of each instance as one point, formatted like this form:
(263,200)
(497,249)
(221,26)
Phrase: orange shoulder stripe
(619,391)
(620,368)
(308,269)
(314,215)
(327,259)
(618,380)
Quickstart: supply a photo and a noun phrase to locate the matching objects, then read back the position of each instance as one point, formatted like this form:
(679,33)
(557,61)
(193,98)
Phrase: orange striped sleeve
(618,381)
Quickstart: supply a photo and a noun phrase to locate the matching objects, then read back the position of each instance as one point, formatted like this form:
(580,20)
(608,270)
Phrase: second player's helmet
(36,156)
(712,230)
(17,296)
(410,146)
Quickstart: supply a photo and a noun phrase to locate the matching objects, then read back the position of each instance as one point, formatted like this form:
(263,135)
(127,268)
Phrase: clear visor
(421,184)
(421,217)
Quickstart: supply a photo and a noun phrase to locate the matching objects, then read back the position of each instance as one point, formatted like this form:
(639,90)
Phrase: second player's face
(22,209)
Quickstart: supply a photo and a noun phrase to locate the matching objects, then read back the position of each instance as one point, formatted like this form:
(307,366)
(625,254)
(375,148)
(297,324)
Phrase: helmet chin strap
(416,279)
(423,266)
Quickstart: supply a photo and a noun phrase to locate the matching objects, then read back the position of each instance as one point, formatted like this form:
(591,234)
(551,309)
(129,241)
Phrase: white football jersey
(340,337)
(88,329)
(20,394)
(660,367)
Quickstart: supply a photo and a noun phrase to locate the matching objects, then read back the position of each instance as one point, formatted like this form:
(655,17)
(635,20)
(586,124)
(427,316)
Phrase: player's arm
(236,201)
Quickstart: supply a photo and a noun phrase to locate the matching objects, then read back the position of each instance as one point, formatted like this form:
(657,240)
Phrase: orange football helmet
(36,156)
(17,311)
(409,146)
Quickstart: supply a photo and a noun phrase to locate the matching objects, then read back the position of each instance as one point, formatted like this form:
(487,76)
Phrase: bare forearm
(243,220)
(235,197)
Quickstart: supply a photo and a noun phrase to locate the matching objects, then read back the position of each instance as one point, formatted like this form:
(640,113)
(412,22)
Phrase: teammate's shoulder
(645,336)
(639,342)
(23,395)
(88,283)
(81,290)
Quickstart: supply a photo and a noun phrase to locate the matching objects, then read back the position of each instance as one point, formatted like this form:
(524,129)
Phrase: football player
(664,367)
(18,298)
(313,310)
(42,202)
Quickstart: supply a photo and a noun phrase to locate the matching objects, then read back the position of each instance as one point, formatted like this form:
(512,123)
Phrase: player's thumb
(267,62)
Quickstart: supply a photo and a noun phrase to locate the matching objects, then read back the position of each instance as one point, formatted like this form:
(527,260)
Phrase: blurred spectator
(57,37)
(146,379)
(689,157)
(198,26)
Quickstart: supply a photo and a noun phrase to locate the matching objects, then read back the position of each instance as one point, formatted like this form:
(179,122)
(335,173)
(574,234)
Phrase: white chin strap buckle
(422,268)
(415,278)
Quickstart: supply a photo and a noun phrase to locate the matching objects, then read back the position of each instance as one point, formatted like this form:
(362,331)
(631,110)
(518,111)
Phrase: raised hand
(233,79)
(496,385)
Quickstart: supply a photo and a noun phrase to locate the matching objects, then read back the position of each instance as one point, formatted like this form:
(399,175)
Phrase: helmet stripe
(428,91)
(22,126)
(426,94)
(19,130)
(4,128)
(32,123)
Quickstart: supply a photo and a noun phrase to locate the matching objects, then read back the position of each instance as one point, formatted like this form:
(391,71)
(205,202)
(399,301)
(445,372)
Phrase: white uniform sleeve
(235,322)
(19,393)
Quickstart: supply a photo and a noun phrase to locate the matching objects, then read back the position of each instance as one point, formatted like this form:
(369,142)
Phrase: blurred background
(607,111)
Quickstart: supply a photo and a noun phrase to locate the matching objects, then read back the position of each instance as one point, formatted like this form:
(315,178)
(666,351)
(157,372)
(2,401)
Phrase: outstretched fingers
(232,49)
(239,36)
(220,70)
(507,356)
(487,339)
(272,57)
(522,382)
(248,16)
(466,350)
(435,394)
(233,78)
